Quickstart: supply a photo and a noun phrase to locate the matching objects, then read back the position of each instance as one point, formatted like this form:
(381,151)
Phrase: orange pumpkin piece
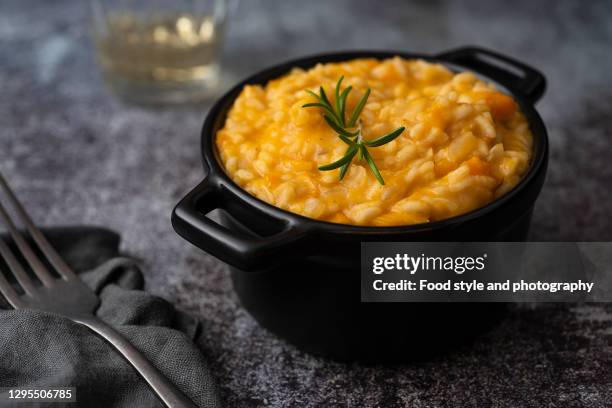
(502,106)
(478,167)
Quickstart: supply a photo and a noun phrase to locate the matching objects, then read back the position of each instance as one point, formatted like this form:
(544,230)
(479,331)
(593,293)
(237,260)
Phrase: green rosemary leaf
(346,165)
(324,98)
(339,163)
(340,116)
(346,140)
(342,107)
(334,125)
(385,139)
(318,105)
(372,165)
(323,101)
(314,95)
(359,108)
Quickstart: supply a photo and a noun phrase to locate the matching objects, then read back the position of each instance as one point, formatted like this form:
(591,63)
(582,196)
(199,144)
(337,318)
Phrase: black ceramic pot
(300,278)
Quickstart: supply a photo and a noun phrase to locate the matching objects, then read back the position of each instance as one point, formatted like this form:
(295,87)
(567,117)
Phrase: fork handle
(167,392)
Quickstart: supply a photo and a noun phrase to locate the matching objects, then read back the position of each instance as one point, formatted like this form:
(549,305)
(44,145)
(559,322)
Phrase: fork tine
(58,263)
(6,289)
(9,293)
(39,269)
(18,271)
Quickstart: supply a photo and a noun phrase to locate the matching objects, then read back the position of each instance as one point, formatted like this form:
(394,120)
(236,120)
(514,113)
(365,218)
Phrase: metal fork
(68,296)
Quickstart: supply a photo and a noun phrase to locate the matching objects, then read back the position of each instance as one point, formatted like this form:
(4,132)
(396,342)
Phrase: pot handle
(515,75)
(243,250)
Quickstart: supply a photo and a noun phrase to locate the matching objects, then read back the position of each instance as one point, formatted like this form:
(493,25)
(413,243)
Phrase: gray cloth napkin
(40,349)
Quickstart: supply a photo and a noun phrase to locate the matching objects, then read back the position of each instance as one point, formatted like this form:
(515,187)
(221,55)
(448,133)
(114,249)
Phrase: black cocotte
(300,278)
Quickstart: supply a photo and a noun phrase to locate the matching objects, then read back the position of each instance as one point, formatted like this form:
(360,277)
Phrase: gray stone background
(77,155)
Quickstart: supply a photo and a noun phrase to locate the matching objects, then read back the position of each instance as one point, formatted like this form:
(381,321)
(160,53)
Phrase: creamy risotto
(464,145)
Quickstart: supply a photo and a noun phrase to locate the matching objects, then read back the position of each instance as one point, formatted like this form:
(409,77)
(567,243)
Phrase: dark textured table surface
(78,155)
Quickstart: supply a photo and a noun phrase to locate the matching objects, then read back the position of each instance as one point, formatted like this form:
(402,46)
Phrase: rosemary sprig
(349,131)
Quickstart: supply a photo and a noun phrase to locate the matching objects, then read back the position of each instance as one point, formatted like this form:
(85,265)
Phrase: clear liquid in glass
(160,59)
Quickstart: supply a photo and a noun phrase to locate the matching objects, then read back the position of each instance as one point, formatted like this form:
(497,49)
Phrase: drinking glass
(160,51)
